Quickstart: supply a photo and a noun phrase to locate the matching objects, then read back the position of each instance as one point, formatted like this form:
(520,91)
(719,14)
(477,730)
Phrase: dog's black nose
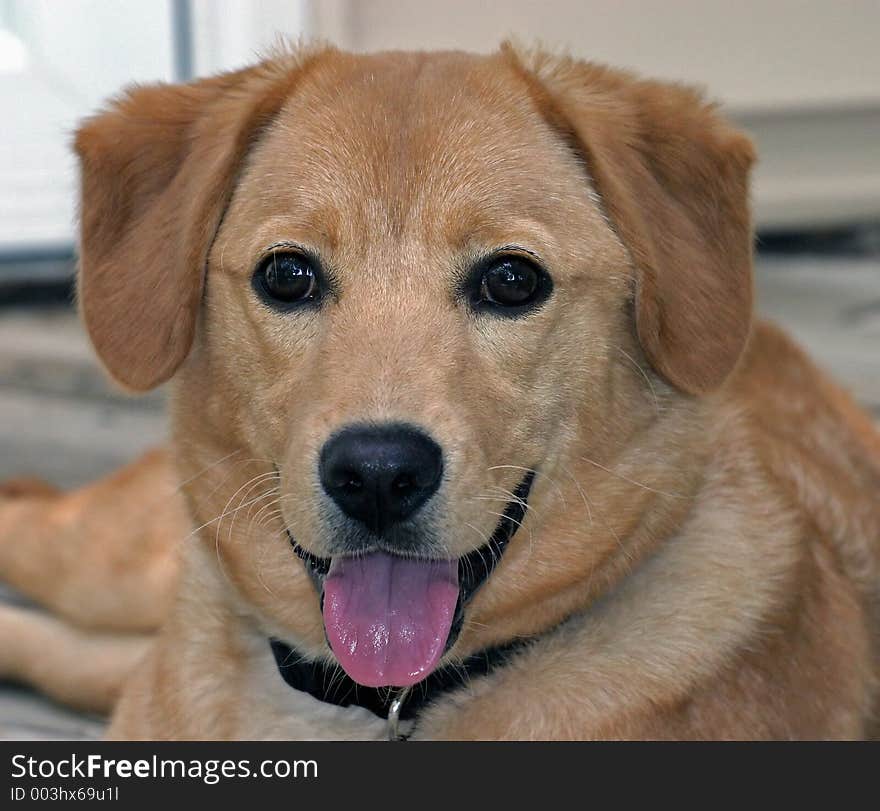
(380,475)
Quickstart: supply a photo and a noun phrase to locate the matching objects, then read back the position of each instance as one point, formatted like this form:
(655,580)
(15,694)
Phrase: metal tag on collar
(394,716)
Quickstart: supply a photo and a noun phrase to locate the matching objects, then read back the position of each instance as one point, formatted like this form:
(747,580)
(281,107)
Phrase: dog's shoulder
(816,444)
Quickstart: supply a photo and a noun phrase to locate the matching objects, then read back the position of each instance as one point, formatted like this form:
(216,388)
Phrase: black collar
(327,682)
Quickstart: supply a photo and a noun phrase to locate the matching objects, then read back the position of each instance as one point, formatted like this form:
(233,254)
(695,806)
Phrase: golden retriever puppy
(473,433)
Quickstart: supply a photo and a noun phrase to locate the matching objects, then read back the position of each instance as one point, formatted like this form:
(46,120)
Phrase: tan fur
(700,557)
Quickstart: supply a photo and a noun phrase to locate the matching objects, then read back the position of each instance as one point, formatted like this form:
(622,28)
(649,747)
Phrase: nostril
(344,480)
(354,482)
(380,475)
(403,482)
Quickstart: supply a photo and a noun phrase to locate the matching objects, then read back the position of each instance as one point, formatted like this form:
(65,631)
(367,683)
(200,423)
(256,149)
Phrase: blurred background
(801,76)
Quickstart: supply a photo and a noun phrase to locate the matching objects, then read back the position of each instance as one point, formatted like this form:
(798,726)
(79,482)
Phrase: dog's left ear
(157,171)
(673,178)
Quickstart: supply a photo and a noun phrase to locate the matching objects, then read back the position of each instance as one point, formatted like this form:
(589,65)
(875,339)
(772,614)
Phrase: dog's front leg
(101,557)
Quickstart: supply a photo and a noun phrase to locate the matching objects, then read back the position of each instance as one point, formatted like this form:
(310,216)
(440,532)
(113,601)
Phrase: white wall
(64,58)
(232,33)
(76,53)
(802,76)
(753,54)
(90,48)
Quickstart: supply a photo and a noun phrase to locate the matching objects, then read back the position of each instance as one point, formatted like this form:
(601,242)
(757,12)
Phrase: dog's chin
(389,619)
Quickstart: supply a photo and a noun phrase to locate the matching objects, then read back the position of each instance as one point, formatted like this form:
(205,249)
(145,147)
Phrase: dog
(473,435)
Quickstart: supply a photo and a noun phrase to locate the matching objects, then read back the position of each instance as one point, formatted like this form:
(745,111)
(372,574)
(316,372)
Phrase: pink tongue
(388,618)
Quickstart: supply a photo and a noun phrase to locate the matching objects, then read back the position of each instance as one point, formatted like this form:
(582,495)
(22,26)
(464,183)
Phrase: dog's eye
(289,278)
(512,284)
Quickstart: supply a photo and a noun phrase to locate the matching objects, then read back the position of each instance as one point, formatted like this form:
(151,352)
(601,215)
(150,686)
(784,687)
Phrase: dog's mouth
(390,619)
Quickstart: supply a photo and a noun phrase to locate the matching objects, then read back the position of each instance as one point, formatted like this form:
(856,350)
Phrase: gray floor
(59,418)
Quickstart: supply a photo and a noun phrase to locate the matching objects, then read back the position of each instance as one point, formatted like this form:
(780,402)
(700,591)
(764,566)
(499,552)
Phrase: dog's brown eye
(288,278)
(513,282)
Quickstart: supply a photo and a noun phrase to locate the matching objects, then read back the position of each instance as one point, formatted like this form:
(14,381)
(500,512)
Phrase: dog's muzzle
(389,619)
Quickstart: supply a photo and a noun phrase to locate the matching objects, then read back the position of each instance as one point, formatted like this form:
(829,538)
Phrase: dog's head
(404,297)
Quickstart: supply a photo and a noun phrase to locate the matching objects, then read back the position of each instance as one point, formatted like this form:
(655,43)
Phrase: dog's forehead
(401,141)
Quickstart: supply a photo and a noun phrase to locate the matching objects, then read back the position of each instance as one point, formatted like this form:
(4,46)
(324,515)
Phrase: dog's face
(419,311)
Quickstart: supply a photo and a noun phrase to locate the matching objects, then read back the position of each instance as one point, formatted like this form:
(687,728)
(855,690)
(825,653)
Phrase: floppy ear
(673,178)
(157,171)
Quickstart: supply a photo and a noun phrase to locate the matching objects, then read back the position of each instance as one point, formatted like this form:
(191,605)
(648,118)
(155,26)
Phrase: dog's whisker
(269,517)
(457,664)
(580,489)
(502,499)
(233,512)
(537,474)
(223,512)
(644,374)
(262,544)
(470,623)
(260,579)
(511,497)
(282,535)
(484,538)
(604,522)
(265,508)
(506,518)
(509,493)
(337,675)
(249,485)
(206,470)
(256,500)
(248,531)
(233,468)
(631,481)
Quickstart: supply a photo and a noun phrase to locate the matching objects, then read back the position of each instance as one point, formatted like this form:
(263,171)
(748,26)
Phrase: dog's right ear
(672,176)
(157,171)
